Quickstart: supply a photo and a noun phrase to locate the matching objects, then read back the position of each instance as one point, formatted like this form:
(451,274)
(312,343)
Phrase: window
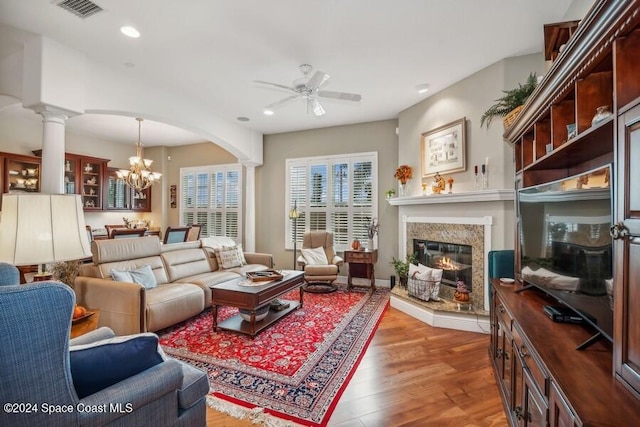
(212,196)
(336,193)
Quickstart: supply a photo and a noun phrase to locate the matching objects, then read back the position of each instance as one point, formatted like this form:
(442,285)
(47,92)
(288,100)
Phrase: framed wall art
(443,149)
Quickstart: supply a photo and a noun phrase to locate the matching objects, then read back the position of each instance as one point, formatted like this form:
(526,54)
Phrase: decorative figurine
(438,185)
(461,294)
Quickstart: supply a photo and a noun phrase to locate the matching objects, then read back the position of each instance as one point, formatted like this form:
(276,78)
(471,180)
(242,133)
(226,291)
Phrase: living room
(396,141)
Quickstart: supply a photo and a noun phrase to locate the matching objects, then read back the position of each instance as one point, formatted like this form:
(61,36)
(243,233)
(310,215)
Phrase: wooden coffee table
(252,297)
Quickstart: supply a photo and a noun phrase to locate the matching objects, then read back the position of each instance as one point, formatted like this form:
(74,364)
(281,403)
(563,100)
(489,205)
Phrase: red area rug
(297,368)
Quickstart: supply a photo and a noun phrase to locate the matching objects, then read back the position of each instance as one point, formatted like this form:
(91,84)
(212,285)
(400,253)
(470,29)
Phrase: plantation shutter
(362,199)
(318,197)
(232,204)
(340,197)
(212,196)
(297,197)
(335,193)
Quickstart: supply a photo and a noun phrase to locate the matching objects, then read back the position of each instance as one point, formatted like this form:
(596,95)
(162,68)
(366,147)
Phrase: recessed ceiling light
(268,112)
(423,88)
(130,32)
(242,119)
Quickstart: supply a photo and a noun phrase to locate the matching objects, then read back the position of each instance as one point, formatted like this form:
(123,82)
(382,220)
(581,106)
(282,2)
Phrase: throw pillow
(104,363)
(238,248)
(315,256)
(228,258)
(143,276)
(217,242)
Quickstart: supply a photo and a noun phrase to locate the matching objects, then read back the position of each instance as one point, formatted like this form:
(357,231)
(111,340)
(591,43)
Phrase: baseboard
(463,321)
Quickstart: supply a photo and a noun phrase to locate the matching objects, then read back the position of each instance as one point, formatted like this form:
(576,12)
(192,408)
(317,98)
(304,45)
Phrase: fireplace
(464,241)
(454,259)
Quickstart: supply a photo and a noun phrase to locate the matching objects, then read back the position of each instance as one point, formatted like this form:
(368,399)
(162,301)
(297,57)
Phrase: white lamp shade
(42,228)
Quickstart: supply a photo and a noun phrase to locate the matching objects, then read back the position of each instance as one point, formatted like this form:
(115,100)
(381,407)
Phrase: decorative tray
(265,275)
(84,316)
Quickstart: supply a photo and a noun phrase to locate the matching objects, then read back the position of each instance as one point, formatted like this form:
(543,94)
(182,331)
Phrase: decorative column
(250,207)
(52,167)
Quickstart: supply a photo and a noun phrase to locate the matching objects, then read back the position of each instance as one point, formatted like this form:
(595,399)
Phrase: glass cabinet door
(119,196)
(22,175)
(70,167)
(91,185)
(116,193)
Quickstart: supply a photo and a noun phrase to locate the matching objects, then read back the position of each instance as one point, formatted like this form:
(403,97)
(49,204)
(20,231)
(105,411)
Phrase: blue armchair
(9,274)
(36,371)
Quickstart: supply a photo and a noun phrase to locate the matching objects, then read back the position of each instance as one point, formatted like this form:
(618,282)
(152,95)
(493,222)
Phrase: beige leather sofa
(183,272)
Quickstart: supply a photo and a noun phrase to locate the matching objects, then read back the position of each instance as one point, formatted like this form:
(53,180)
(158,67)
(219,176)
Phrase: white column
(52,168)
(250,207)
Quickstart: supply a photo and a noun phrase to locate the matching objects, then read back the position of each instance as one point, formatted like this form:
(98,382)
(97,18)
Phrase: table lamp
(294,215)
(40,228)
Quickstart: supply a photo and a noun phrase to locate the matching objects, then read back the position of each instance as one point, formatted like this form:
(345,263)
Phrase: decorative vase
(403,189)
(403,281)
(355,245)
(602,113)
(370,244)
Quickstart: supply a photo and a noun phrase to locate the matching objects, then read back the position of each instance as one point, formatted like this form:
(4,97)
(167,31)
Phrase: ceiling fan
(309,89)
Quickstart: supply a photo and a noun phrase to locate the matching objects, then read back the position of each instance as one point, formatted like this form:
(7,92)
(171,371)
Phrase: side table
(361,264)
(83,326)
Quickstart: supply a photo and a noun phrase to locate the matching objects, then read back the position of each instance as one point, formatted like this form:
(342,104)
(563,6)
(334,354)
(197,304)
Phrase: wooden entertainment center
(544,380)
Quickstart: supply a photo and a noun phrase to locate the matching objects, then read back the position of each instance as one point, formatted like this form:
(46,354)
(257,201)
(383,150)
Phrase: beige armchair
(320,266)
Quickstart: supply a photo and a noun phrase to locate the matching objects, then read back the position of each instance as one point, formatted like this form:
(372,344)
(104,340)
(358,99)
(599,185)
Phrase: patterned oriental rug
(296,369)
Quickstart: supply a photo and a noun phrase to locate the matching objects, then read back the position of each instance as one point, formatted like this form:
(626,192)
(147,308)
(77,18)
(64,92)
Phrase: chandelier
(139,176)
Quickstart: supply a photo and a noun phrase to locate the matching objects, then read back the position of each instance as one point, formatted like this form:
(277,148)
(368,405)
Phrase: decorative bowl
(261,313)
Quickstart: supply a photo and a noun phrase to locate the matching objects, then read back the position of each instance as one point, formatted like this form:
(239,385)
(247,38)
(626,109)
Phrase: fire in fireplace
(453,259)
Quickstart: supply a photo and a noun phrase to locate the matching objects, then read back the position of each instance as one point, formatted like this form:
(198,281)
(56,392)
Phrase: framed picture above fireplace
(443,149)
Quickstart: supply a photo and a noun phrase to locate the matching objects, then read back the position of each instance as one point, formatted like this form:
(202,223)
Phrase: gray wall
(270,205)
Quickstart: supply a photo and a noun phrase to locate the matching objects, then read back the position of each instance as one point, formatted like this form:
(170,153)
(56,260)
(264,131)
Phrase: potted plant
(509,105)
(390,193)
(402,267)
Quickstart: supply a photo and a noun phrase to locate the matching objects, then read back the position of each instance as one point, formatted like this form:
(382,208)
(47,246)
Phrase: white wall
(468,98)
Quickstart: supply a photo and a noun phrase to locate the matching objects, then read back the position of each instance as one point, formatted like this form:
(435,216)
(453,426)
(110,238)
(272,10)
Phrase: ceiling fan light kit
(308,88)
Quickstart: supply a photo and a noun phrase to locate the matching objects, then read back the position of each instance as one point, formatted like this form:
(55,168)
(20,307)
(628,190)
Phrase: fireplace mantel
(472,196)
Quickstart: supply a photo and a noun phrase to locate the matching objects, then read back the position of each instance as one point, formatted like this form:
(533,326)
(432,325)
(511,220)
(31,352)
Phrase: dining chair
(175,234)
(110,227)
(121,233)
(194,232)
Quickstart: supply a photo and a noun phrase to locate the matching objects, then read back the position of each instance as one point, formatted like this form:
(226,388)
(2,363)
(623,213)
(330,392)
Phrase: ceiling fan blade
(275,84)
(340,95)
(281,102)
(316,107)
(318,79)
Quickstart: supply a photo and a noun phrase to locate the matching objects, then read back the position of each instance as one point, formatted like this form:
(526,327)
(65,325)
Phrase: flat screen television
(565,246)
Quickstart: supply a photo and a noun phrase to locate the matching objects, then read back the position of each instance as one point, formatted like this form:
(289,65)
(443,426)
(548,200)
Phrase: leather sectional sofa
(183,273)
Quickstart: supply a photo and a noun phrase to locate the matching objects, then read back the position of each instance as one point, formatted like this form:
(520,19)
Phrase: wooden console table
(361,264)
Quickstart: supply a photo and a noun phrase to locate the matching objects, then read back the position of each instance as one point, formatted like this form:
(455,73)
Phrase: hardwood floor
(415,375)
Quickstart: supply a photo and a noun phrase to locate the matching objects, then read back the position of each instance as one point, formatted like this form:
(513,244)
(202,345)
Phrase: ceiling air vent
(81,8)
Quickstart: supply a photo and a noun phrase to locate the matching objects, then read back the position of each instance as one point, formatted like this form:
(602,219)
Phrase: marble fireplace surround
(475,232)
